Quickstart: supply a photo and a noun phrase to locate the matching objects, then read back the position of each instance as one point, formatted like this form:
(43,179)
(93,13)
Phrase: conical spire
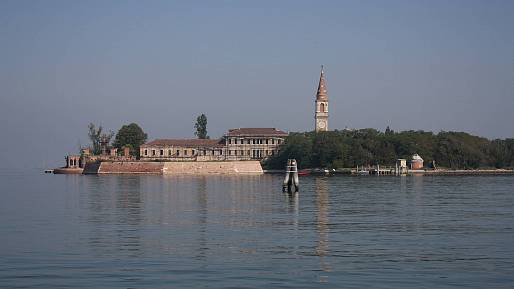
(322,88)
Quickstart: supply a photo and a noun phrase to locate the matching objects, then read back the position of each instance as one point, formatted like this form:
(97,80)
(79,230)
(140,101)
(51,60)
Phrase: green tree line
(349,148)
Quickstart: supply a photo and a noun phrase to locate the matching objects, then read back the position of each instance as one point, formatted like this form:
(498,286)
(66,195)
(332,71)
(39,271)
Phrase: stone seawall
(130,168)
(172,168)
(228,167)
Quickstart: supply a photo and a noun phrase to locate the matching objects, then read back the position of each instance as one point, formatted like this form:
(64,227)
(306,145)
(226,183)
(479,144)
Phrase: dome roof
(416,157)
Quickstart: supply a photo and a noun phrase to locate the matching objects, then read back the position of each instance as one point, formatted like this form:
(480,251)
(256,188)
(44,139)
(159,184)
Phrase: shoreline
(439,172)
(248,167)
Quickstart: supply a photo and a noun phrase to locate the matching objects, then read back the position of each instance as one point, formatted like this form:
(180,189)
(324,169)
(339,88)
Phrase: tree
(344,149)
(95,135)
(131,135)
(201,127)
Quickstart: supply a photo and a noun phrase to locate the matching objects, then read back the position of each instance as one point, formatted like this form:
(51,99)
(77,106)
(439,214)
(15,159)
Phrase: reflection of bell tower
(321,113)
(323,206)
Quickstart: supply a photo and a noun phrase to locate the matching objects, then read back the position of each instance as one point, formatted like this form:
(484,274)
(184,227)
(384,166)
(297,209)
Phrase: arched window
(322,107)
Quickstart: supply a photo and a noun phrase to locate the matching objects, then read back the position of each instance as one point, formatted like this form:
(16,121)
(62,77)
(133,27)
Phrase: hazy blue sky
(431,65)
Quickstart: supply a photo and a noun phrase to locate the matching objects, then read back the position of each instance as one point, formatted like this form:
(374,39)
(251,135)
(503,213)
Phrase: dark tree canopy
(349,148)
(132,136)
(201,127)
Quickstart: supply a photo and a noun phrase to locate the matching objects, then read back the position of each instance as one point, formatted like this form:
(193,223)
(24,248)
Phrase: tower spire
(322,88)
(321,109)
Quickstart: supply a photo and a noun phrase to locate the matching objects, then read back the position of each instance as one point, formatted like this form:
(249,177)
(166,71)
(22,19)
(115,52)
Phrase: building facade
(253,143)
(183,150)
(416,162)
(236,145)
(321,105)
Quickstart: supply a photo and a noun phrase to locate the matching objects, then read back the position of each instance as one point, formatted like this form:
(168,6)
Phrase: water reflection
(202,200)
(322,204)
(115,214)
(129,214)
(219,231)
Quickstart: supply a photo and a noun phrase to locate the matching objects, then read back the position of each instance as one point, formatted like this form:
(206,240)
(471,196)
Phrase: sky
(410,65)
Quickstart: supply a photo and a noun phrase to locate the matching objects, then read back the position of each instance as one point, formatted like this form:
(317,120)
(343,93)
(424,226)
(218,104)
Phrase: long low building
(236,145)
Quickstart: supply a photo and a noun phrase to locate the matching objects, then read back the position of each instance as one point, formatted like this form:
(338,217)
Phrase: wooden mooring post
(291,182)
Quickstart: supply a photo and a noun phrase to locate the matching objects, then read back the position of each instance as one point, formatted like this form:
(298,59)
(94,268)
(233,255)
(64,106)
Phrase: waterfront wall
(229,167)
(171,168)
(130,168)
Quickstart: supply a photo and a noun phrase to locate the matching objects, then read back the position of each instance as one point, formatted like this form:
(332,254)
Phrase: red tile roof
(186,142)
(256,132)
(322,87)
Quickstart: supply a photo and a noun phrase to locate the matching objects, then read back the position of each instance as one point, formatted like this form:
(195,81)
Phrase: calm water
(60,231)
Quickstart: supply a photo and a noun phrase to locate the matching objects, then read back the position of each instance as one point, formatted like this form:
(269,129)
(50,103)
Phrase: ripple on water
(233,232)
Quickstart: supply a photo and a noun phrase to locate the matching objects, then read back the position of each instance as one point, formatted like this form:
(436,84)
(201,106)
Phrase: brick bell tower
(321,111)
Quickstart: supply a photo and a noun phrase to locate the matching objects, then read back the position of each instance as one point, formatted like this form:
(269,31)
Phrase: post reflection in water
(322,202)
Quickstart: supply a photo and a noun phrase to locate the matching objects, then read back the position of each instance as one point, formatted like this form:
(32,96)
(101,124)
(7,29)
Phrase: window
(192,152)
(266,141)
(146,152)
(229,152)
(229,141)
(241,152)
(185,152)
(221,152)
(161,152)
(322,107)
(178,153)
(153,152)
(169,152)
(272,141)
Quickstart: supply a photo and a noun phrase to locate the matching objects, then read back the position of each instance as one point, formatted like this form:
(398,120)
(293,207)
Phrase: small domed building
(416,162)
